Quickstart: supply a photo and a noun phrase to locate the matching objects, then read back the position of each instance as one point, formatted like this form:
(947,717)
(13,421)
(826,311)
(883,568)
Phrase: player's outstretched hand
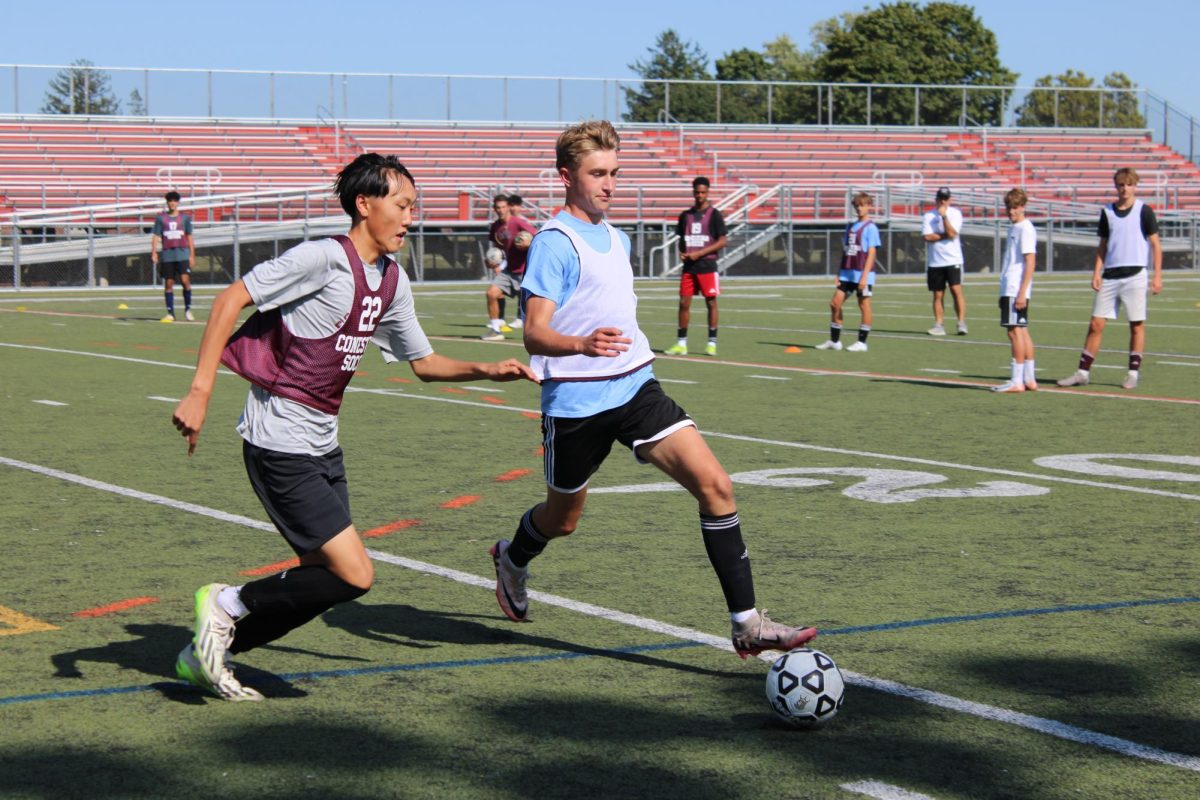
(510,370)
(189,418)
(606,343)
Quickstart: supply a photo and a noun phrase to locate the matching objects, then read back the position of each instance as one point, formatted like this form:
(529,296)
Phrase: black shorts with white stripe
(1011,316)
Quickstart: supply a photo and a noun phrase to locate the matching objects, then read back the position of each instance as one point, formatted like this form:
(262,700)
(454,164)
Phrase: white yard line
(883,791)
(992,713)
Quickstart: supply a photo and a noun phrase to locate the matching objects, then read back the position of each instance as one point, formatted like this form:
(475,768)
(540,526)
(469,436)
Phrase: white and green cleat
(227,687)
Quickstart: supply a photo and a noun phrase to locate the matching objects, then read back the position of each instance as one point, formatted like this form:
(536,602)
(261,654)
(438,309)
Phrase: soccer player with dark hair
(173,235)
(319,305)
(1128,244)
(598,388)
(702,236)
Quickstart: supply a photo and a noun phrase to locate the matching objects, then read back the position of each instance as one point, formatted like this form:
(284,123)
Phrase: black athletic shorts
(577,446)
(1010,317)
(305,496)
(938,278)
(851,287)
(173,270)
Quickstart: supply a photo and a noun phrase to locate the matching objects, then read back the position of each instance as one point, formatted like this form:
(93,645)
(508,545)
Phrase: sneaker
(492,336)
(676,350)
(857,347)
(506,329)
(830,345)
(510,583)
(188,668)
(214,632)
(168,318)
(962,329)
(1131,380)
(760,633)
(937,330)
(1009,387)
(1080,378)
(517,324)
(188,315)
(1031,386)
(710,349)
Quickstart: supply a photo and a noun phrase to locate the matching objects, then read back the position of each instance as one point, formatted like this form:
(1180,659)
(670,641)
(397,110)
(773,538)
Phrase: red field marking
(395,379)
(459,502)
(147,347)
(112,608)
(541,451)
(278,566)
(392,527)
(191,351)
(361,374)
(531,415)
(496,401)
(453,390)
(106,344)
(512,475)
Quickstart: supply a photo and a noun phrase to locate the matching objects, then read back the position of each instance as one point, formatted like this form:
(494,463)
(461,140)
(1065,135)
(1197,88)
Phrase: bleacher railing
(292,95)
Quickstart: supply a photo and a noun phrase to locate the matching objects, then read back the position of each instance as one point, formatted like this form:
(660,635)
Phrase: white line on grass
(1174,364)
(945,371)
(50,402)
(163,399)
(674,380)
(993,713)
(769,377)
(883,791)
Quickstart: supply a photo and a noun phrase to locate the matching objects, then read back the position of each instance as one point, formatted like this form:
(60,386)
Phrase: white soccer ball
(805,688)
(494,256)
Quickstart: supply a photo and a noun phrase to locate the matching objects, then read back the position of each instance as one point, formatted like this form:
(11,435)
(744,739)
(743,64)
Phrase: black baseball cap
(943,193)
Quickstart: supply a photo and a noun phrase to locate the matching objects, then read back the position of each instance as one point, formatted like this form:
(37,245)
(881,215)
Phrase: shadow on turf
(409,626)
(153,653)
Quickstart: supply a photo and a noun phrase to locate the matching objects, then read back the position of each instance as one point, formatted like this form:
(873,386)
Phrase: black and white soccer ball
(494,257)
(805,688)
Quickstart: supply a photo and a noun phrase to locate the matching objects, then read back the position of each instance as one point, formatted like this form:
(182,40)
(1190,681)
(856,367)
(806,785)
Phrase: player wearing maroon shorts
(701,232)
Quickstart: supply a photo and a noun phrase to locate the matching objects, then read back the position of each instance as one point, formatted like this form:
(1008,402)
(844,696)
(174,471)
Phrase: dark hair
(368,175)
(701,181)
(515,200)
(172,195)
(500,197)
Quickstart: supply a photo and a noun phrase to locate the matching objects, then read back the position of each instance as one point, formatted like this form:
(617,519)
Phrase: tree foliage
(904,43)
(1075,108)
(81,89)
(672,58)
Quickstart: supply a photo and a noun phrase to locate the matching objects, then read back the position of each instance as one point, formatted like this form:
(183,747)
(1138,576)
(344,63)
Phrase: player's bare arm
(543,340)
(193,408)
(1098,267)
(436,367)
(1156,253)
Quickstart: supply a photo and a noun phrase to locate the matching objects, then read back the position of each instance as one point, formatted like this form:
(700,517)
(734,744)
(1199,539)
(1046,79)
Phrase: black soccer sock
(283,602)
(500,308)
(730,559)
(169,299)
(835,332)
(1085,361)
(863,332)
(187,298)
(712,334)
(1135,362)
(528,542)
(681,333)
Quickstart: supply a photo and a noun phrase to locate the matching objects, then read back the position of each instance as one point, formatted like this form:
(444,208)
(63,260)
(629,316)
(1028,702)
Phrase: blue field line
(648,648)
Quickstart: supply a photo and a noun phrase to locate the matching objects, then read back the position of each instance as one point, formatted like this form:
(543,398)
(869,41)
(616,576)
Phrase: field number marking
(14,622)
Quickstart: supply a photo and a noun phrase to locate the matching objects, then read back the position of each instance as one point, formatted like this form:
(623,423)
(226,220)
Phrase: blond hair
(1126,175)
(862,197)
(1015,198)
(577,141)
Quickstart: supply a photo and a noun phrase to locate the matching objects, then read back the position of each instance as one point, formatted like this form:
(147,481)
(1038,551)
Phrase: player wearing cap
(944,261)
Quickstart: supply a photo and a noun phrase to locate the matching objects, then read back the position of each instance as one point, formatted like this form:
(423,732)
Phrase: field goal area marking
(983,711)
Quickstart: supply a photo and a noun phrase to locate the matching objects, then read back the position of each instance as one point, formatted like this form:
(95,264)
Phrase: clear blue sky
(1151,42)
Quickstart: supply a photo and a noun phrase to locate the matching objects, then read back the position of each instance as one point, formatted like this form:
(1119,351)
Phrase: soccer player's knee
(717,488)
(360,580)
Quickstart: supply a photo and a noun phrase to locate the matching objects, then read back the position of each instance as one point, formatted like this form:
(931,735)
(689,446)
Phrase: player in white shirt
(944,261)
(1016,282)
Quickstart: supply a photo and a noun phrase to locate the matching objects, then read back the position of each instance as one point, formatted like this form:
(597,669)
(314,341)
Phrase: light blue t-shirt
(870,238)
(552,272)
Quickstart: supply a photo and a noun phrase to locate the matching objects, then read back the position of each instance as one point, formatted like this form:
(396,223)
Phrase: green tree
(81,89)
(673,59)
(743,102)
(1072,100)
(137,106)
(902,42)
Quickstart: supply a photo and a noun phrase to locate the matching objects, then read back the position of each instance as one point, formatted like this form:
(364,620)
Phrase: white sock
(682,342)
(742,616)
(230,599)
(1030,372)
(1018,371)
(495,324)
